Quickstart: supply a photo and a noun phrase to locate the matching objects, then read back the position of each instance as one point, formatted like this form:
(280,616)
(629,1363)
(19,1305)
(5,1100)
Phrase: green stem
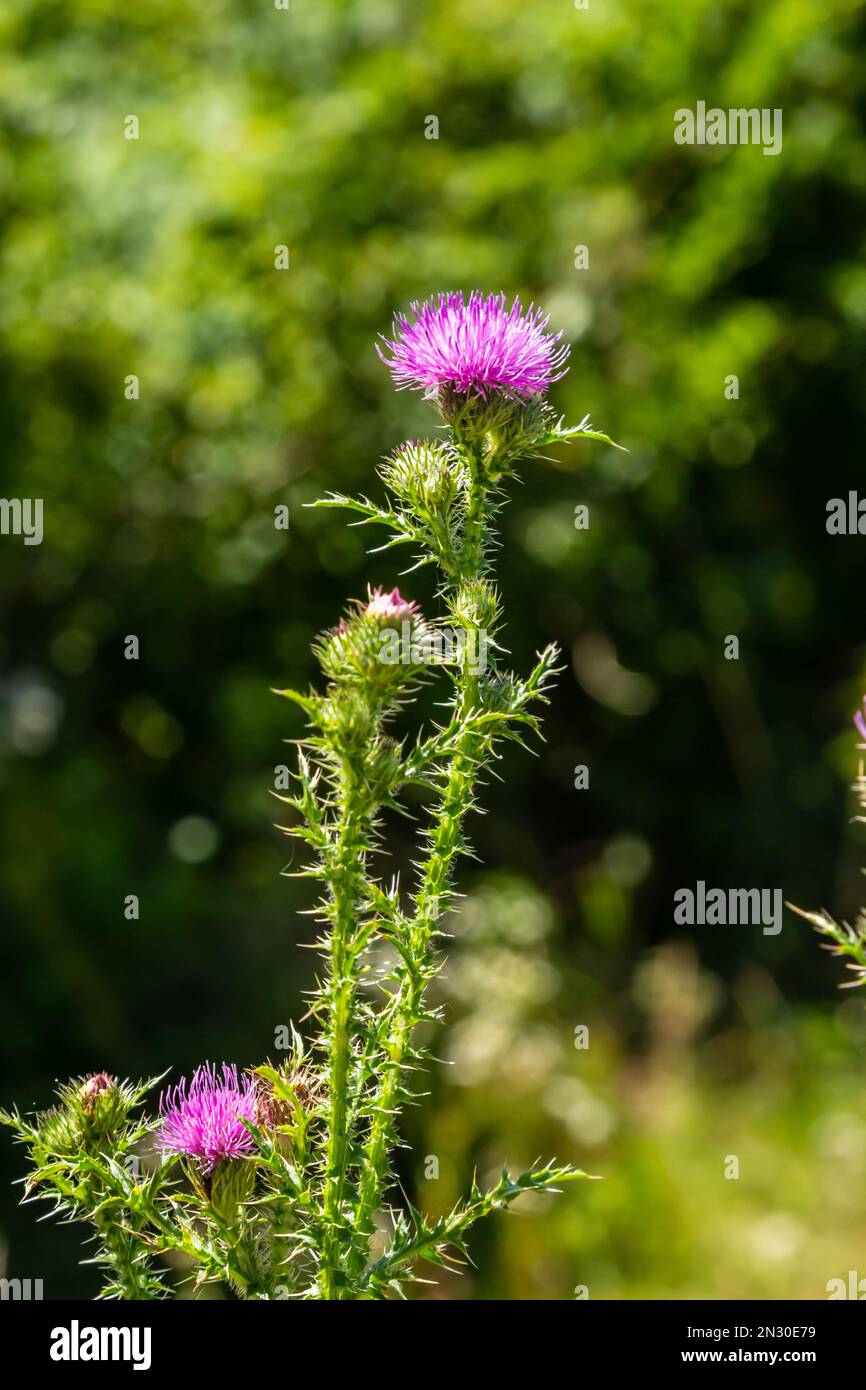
(131,1275)
(415,968)
(472,548)
(342,985)
(445,845)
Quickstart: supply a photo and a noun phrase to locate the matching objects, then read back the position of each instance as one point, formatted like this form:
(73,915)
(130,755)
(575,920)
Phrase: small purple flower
(860,723)
(203,1119)
(393,607)
(474,348)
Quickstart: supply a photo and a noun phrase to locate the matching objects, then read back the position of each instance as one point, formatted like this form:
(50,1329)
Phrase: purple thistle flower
(203,1119)
(476,348)
(860,724)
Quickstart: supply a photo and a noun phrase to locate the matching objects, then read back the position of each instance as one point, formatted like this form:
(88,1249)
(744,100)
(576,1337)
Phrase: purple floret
(475,348)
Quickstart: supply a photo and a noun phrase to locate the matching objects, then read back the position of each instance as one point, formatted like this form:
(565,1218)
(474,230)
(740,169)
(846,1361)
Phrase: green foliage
(442,1242)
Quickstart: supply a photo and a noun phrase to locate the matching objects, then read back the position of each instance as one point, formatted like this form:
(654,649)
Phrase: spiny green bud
(346,719)
(91,1109)
(379,647)
(423,475)
(476,603)
(383,767)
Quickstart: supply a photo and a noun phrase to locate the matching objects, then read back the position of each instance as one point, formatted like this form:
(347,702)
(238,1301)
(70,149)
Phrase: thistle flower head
(390,608)
(203,1119)
(474,348)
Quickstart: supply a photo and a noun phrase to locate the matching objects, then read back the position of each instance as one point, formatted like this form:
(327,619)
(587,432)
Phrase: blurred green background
(261,388)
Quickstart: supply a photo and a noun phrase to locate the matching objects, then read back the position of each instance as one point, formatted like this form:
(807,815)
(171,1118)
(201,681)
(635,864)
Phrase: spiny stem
(444,844)
(342,984)
(122,1254)
(416,972)
(472,548)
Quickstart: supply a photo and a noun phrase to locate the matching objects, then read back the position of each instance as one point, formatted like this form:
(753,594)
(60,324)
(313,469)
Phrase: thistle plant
(279,1181)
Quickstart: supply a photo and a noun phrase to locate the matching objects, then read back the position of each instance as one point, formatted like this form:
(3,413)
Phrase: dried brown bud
(273,1111)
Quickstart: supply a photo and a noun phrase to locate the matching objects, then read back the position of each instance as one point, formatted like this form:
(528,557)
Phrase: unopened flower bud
(379,646)
(389,608)
(425,476)
(94,1087)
